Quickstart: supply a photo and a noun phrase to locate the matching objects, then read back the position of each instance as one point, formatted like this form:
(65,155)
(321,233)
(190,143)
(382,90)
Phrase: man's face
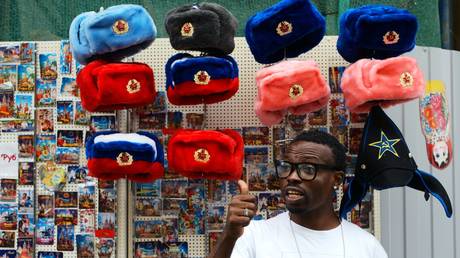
(306,196)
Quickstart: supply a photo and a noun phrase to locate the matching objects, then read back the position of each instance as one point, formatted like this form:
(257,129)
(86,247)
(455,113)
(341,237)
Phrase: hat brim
(427,183)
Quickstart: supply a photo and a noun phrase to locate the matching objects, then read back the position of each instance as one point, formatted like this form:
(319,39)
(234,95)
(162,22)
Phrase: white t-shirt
(273,238)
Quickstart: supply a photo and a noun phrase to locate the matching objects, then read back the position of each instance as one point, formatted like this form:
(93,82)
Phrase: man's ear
(339,177)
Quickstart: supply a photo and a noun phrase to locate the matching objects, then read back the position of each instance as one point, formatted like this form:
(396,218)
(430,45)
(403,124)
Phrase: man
(312,169)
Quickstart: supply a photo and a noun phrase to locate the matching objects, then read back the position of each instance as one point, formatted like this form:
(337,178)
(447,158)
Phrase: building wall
(410,226)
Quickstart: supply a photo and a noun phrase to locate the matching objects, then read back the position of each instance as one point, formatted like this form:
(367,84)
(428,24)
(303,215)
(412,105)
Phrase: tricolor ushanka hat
(113,34)
(293,86)
(388,82)
(207,154)
(205,27)
(136,156)
(286,29)
(200,80)
(376,31)
(110,86)
(384,161)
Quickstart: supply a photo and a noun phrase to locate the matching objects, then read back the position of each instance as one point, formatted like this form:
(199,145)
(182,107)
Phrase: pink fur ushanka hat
(387,82)
(292,86)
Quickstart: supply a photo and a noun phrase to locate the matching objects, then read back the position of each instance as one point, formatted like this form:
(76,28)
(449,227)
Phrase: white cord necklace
(297,245)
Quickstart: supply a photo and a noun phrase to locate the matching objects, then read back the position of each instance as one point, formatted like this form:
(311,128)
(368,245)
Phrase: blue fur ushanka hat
(286,29)
(376,31)
(112,34)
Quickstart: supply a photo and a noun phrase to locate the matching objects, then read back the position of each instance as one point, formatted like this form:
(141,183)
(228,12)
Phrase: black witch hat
(384,161)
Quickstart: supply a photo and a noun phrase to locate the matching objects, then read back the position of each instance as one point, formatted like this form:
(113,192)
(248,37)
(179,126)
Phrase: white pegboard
(236,112)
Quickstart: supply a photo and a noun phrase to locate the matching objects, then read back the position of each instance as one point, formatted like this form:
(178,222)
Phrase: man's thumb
(243,187)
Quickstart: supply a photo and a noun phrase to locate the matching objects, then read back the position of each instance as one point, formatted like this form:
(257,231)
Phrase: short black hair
(321,137)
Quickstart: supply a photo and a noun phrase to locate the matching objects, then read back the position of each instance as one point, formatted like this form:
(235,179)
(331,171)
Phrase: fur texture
(384,162)
(274,84)
(180,79)
(92,36)
(267,46)
(225,149)
(147,162)
(104,86)
(214,28)
(368,83)
(363,29)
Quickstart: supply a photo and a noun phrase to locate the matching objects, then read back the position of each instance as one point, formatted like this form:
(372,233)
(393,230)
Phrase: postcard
(69,156)
(149,189)
(45,94)
(194,120)
(26,225)
(45,231)
(174,188)
(48,66)
(335,76)
(26,78)
(87,217)
(6,104)
(8,77)
(102,123)
(45,124)
(216,218)
(338,112)
(70,138)
(65,112)
(23,106)
(107,200)
(45,147)
(26,173)
(65,57)
(27,52)
(256,135)
(8,191)
(255,155)
(65,238)
(8,216)
(65,199)
(85,246)
(26,201)
(45,206)
(87,196)
(81,115)
(148,207)
(66,217)
(7,239)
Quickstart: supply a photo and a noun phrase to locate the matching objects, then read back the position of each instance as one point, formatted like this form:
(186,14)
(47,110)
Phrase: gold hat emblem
(284,28)
(124,159)
(202,78)
(295,91)
(187,30)
(406,80)
(391,37)
(120,27)
(202,155)
(133,86)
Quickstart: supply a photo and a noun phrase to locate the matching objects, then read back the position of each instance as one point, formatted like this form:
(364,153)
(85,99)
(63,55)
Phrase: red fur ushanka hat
(110,86)
(292,86)
(207,154)
(371,82)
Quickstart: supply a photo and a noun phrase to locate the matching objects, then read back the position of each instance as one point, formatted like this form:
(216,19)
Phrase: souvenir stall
(116,143)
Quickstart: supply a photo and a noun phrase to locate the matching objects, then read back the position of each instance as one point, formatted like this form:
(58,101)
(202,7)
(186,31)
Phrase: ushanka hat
(110,86)
(292,86)
(376,31)
(114,33)
(207,154)
(205,27)
(387,82)
(203,79)
(384,161)
(286,29)
(136,156)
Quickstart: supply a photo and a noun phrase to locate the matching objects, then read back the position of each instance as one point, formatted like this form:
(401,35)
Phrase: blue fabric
(92,36)
(111,150)
(362,30)
(183,67)
(267,46)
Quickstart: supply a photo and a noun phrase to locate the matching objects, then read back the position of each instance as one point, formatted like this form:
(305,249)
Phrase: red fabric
(138,171)
(370,82)
(103,85)
(190,93)
(225,150)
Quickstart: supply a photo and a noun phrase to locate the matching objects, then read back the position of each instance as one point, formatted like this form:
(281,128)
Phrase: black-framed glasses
(305,171)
